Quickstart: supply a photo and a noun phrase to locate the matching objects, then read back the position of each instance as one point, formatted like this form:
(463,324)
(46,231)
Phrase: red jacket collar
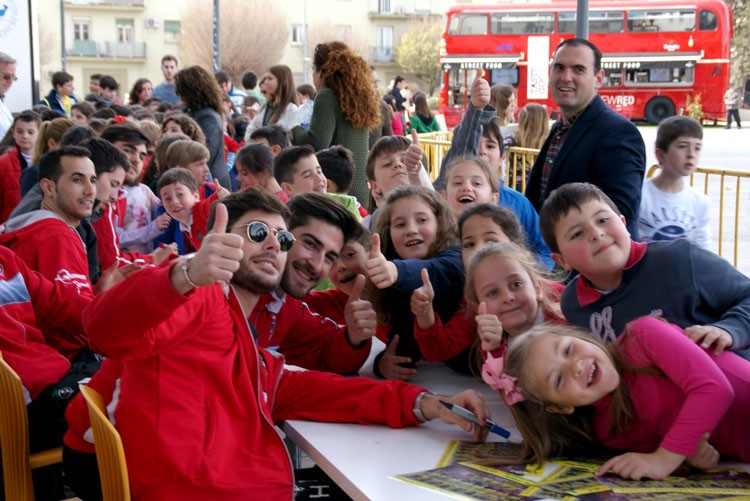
(588,295)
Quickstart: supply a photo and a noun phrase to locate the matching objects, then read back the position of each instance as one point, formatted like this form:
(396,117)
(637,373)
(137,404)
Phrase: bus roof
(565,5)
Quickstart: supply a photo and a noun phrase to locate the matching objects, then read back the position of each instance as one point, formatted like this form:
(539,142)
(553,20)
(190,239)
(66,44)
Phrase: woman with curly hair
(281,101)
(197,88)
(346,108)
(141,91)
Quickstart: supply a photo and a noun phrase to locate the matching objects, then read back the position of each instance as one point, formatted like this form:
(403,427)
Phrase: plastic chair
(110,455)
(14,439)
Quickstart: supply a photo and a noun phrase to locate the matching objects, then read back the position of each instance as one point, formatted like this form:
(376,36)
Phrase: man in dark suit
(590,142)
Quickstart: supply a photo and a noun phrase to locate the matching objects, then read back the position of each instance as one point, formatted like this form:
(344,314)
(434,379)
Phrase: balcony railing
(382,54)
(108,49)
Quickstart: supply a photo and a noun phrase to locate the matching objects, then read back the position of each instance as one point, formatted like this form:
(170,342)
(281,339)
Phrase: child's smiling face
(413,228)
(467,185)
(350,263)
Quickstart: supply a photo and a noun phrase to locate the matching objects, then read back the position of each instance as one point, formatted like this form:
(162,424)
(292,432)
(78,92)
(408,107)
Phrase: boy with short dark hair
(61,96)
(297,171)
(109,87)
(621,280)
(337,164)
(670,208)
(179,195)
(273,135)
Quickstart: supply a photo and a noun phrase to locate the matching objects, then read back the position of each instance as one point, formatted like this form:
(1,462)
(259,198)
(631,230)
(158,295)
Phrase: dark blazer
(212,126)
(602,148)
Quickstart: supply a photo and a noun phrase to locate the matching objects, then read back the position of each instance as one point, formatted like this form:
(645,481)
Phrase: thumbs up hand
(480,91)
(489,328)
(216,261)
(421,302)
(359,315)
(413,155)
(221,192)
(381,272)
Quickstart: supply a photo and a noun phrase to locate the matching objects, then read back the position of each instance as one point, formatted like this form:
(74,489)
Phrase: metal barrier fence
(725,188)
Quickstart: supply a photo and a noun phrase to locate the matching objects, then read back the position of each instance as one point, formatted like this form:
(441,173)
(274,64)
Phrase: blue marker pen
(470,416)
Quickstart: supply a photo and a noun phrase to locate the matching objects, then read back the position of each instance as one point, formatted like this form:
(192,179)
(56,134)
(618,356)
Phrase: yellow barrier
(725,208)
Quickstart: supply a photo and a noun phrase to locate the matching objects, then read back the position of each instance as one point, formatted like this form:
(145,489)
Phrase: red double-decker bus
(657,54)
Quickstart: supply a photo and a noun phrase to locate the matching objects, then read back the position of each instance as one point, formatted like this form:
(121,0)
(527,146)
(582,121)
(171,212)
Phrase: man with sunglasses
(7,77)
(199,400)
(287,324)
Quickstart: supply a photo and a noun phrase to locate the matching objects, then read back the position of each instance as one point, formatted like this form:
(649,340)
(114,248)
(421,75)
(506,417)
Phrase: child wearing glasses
(179,194)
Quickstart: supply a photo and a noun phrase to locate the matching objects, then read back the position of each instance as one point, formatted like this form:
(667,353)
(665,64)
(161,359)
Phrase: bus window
(519,24)
(707,20)
(612,77)
(504,75)
(599,22)
(468,24)
(661,20)
(660,72)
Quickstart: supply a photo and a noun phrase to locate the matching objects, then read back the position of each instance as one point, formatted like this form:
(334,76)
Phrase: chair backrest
(110,455)
(14,436)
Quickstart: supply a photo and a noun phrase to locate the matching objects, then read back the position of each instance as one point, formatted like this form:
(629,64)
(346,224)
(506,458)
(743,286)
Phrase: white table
(360,458)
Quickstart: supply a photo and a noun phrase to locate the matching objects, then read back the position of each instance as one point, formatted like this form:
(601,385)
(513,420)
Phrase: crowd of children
(645,351)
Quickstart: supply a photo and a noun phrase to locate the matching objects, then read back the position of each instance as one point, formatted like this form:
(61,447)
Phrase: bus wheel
(658,109)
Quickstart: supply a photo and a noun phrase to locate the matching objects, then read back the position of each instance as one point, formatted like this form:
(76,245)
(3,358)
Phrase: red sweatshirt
(28,303)
(199,400)
(48,245)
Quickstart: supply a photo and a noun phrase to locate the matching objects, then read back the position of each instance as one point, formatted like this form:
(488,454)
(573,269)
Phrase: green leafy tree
(418,51)
(740,51)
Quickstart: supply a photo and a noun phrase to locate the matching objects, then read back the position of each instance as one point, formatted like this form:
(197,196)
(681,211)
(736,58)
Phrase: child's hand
(635,465)
(389,364)
(707,335)
(480,91)
(163,252)
(706,456)
(489,328)
(216,261)
(162,221)
(469,399)
(413,155)
(360,318)
(382,272)
(421,302)
(221,192)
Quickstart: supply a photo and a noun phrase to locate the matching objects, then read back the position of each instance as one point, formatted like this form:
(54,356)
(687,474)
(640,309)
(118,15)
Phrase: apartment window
(384,6)
(343,32)
(124,29)
(171,31)
(81,29)
(384,48)
(298,34)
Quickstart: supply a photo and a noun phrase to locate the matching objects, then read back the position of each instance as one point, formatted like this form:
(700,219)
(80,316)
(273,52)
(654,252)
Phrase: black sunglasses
(258,231)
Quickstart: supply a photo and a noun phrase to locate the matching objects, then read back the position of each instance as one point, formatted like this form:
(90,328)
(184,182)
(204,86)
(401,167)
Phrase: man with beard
(46,239)
(286,324)
(137,227)
(199,400)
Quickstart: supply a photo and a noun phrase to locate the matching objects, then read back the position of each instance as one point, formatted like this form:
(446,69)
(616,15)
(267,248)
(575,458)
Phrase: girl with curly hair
(202,97)
(281,103)
(180,123)
(141,91)
(346,108)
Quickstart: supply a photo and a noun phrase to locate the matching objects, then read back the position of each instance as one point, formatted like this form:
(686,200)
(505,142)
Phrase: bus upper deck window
(468,24)
(707,20)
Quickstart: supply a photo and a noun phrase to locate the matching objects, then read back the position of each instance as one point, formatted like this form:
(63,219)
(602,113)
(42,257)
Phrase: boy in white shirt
(670,207)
